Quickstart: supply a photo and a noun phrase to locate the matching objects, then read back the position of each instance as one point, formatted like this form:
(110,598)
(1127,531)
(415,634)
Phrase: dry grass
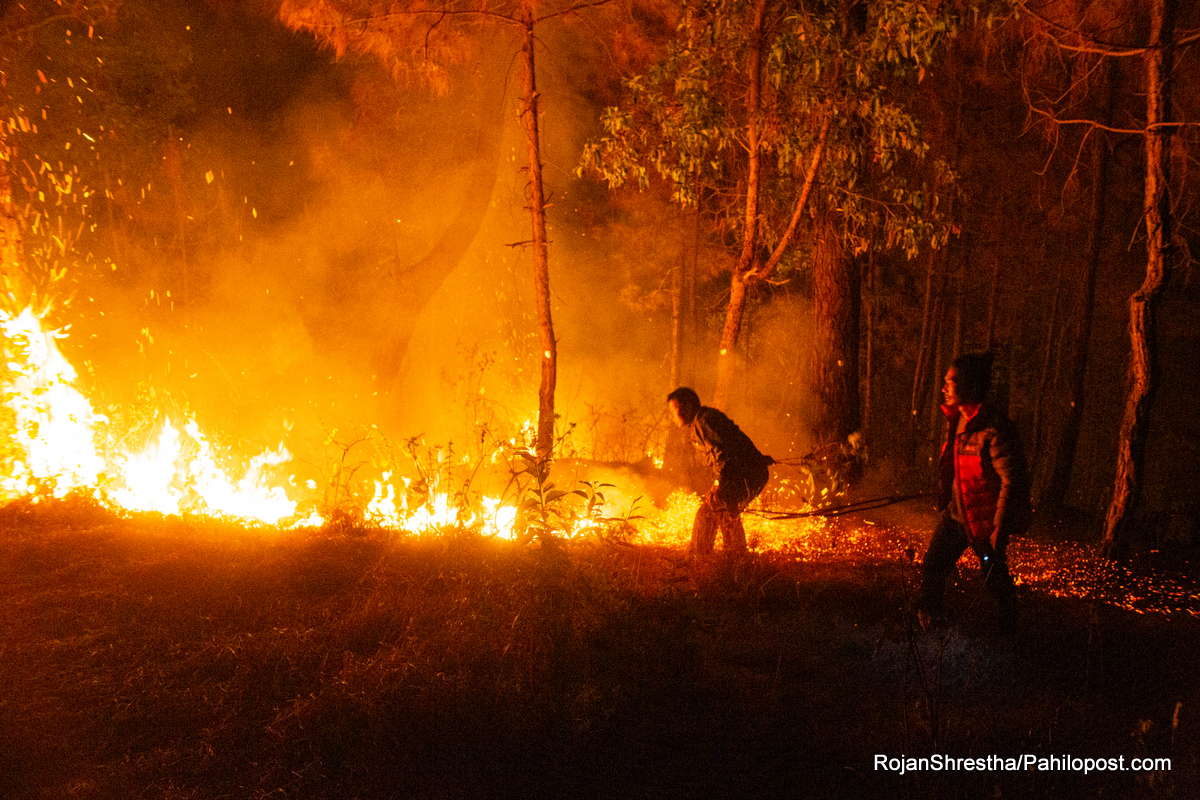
(154,658)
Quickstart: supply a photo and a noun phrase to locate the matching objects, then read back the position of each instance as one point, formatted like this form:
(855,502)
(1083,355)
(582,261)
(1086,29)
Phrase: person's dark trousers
(723,509)
(948,543)
(706,524)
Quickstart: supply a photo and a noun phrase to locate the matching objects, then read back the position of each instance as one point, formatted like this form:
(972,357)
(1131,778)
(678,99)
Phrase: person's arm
(711,445)
(1012,506)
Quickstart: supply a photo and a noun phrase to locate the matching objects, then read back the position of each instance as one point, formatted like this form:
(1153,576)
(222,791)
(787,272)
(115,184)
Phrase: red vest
(986,465)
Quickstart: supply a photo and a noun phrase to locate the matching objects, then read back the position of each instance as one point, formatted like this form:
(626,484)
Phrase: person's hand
(711,499)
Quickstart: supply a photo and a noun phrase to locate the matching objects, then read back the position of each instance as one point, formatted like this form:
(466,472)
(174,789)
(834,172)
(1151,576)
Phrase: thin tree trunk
(872,298)
(993,299)
(959,263)
(1064,455)
(734,313)
(1052,336)
(810,177)
(960,299)
(679,455)
(677,321)
(690,308)
(737,288)
(541,259)
(933,381)
(1143,305)
(916,398)
(683,301)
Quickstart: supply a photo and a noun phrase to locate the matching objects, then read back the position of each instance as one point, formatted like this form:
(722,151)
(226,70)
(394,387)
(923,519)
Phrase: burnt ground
(168,658)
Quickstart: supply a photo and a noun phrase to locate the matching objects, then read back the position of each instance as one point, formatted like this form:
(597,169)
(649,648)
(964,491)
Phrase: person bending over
(739,472)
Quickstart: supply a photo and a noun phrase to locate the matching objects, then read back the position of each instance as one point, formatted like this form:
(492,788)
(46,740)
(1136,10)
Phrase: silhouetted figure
(983,491)
(739,470)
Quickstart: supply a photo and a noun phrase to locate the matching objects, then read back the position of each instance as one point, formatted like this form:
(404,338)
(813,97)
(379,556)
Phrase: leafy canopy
(686,120)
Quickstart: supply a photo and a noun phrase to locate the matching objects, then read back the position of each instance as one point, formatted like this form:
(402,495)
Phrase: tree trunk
(691,339)
(737,289)
(1064,455)
(937,358)
(960,299)
(1044,381)
(916,399)
(993,300)
(837,292)
(541,259)
(416,283)
(677,322)
(683,300)
(870,316)
(1143,305)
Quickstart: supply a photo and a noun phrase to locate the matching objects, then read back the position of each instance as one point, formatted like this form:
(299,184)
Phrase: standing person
(983,491)
(739,470)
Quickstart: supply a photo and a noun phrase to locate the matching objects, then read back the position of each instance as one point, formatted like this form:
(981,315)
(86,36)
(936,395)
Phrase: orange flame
(52,449)
(54,445)
(53,424)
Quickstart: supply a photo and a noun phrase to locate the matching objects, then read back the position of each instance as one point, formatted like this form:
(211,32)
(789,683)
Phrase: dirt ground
(167,658)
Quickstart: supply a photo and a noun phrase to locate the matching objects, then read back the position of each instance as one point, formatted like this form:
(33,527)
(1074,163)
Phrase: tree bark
(937,360)
(924,361)
(869,318)
(737,285)
(1044,381)
(677,321)
(993,301)
(683,300)
(691,329)
(1064,455)
(1143,305)
(837,292)
(541,259)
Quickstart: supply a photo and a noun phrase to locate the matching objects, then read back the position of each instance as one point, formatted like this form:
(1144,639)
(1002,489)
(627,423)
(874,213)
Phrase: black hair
(686,399)
(973,374)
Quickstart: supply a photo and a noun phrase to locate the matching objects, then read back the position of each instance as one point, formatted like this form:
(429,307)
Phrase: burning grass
(165,657)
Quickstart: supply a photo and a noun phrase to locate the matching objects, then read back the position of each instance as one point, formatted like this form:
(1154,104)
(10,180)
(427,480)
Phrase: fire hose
(838,510)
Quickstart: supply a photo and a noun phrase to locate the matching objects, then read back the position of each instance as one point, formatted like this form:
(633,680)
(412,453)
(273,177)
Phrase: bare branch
(429,32)
(573,9)
(439,13)
(802,201)
(1089,45)
(1096,46)
(1100,126)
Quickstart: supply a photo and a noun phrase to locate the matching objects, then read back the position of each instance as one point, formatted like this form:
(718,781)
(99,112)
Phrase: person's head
(968,379)
(684,404)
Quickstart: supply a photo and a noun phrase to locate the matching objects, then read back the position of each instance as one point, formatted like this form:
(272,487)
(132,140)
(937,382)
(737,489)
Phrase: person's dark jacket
(988,464)
(722,445)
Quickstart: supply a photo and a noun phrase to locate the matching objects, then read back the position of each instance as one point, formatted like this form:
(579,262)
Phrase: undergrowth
(168,658)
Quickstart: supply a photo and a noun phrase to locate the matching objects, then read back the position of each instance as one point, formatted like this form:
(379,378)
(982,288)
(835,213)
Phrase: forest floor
(169,658)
